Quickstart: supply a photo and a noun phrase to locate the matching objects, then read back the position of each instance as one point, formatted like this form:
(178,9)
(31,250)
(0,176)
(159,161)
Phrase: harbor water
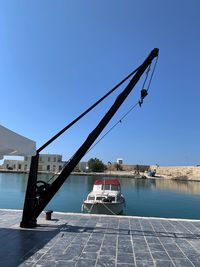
(144,197)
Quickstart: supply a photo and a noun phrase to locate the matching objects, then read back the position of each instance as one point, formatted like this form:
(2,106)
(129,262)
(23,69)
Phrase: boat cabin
(106,190)
(108,185)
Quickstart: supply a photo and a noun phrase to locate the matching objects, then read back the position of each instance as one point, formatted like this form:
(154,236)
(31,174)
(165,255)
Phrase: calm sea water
(150,197)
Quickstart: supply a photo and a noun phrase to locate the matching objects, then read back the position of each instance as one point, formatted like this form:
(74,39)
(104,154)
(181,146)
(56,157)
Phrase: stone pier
(98,240)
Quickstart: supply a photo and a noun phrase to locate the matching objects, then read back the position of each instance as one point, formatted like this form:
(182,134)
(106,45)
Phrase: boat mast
(37,197)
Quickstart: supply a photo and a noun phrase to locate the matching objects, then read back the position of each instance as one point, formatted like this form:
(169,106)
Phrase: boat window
(90,198)
(114,187)
(106,187)
(99,198)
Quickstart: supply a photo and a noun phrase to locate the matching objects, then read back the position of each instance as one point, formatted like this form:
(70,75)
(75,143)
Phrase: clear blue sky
(58,57)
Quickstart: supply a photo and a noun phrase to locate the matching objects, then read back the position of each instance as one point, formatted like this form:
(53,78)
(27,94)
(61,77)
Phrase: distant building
(50,163)
(82,166)
(47,163)
(120,161)
(16,165)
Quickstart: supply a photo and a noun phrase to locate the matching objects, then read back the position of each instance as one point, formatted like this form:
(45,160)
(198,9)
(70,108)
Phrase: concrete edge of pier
(104,215)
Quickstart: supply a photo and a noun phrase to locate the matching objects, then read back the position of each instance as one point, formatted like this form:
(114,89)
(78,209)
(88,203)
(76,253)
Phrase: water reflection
(190,187)
(142,183)
(179,186)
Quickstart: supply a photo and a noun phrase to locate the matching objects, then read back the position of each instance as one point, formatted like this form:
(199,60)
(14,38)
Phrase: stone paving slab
(83,240)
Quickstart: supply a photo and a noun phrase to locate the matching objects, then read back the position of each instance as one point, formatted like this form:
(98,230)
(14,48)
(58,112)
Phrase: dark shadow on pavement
(17,245)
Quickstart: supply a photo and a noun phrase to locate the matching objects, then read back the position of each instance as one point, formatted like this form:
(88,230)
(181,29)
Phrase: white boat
(105,198)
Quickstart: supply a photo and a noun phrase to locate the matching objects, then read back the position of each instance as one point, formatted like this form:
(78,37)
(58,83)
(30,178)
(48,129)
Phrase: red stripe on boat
(108,181)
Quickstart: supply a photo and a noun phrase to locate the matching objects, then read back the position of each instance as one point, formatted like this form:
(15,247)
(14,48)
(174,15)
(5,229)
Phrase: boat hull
(104,208)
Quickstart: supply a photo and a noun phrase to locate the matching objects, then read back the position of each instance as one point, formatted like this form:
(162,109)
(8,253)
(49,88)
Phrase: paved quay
(98,240)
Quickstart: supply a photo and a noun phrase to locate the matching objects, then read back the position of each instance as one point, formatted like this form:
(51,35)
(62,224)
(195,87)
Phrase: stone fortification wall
(141,168)
(178,172)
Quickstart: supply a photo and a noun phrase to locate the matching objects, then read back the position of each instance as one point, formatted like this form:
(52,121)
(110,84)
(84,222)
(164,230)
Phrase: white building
(50,163)
(120,161)
(82,166)
(47,163)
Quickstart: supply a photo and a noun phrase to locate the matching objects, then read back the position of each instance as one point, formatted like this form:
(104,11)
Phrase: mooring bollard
(48,214)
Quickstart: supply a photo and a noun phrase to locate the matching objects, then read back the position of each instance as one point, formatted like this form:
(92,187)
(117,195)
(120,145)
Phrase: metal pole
(28,219)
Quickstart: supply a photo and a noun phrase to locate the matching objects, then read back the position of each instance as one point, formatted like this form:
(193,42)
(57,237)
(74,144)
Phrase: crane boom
(37,198)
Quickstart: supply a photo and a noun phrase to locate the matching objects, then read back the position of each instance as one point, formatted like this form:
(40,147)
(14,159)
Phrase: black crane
(39,193)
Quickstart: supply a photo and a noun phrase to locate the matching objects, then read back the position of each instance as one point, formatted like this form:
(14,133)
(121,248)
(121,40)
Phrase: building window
(19,166)
(48,167)
(25,167)
(14,166)
(49,159)
(60,167)
(40,168)
(54,159)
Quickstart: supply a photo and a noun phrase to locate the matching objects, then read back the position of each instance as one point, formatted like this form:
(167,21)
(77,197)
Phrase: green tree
(96,165)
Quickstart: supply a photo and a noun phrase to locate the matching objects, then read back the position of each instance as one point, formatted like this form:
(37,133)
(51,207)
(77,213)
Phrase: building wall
(82,166)
(50,163)
(47,163)
(140,168)
(15,165)
(128,167)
